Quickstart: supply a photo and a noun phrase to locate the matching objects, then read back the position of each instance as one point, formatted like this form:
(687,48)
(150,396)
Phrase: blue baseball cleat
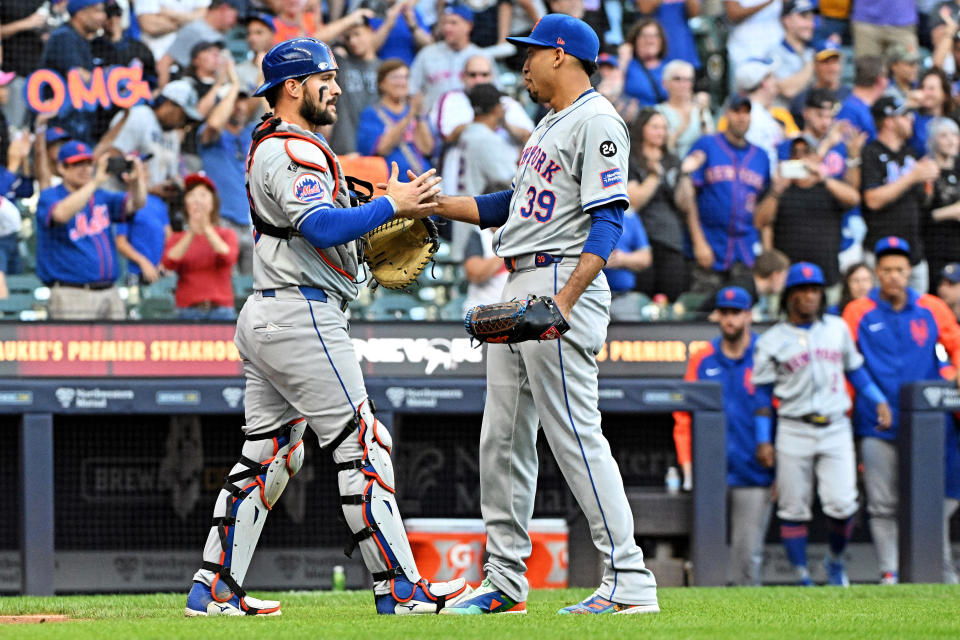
(200,602)
(485,599)
(597,605)
(421,597)
(836,573)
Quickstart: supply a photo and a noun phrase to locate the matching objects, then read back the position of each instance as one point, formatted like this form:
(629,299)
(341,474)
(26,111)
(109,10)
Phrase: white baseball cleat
(200,602)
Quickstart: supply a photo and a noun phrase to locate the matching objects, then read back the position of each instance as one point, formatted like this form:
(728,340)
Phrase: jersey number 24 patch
(307,188)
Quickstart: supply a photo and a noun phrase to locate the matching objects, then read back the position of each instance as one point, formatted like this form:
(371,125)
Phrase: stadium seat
(23,283)
(242,284)
(373,169)
(11,306)
(162,288)
(392,306)
(692,304)
(453,310)
(157,308)
(242,288)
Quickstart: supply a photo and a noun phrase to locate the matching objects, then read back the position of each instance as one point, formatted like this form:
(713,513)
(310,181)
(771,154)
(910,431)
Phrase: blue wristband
(606,227)
(494,208)
(763,422)
(762,426)
(864,384)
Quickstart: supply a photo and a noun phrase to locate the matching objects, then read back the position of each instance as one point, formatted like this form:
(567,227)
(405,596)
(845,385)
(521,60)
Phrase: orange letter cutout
(35,84)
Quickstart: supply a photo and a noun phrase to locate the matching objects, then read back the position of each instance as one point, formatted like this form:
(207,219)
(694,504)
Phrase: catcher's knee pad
(251,490)
(366,482)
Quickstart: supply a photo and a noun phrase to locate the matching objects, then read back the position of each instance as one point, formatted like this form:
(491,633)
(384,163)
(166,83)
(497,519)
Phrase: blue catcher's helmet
(294,59)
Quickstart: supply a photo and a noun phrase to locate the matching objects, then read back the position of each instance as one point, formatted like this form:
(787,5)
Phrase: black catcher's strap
(351,465)
(389,574)
(355,195)
(267,229)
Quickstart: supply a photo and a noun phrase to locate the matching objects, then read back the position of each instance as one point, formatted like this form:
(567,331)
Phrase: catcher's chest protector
(341,258)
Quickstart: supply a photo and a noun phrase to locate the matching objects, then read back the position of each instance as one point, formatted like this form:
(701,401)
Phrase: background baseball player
(298,359)
(559,223)
(728,359)
(802,361)
(897,330)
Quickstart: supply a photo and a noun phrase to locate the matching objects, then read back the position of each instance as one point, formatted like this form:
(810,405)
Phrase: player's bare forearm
(459,208)
(585,273)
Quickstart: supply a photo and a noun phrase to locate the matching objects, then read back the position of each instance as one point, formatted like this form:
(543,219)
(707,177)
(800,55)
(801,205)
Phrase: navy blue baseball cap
(733,298)
(264,18)
(798,6)
(55,134)
(75,6)
(826,50)
(460,10)
(804,273)
(558,30)
(74,151)
(951,272)
(891,244)
(294,59)
(738,101)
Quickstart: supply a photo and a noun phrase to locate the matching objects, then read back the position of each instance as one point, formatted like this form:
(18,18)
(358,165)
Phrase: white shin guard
(251,490)
(366,481)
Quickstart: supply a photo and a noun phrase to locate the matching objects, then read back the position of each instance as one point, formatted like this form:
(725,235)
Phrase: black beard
(734,337)
(533,96)
(312,113)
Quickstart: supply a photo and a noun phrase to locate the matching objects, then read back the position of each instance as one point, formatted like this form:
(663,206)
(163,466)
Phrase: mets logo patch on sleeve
(611,177)
(307,188)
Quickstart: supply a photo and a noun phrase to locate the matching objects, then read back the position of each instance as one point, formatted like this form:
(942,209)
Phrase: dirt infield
(35,618)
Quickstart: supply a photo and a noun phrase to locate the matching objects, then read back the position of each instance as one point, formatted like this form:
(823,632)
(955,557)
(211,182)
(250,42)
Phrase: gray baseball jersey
(807,366)
(289,181)
(575,159)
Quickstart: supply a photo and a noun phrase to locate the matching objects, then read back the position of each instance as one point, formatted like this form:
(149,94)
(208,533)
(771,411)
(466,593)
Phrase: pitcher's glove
(516,321)
(399,250)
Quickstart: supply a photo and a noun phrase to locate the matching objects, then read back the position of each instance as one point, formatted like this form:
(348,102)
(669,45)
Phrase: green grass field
(863,612)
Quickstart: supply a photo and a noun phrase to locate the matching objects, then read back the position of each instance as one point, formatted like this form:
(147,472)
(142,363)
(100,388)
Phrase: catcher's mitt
(516,321)
(398,251)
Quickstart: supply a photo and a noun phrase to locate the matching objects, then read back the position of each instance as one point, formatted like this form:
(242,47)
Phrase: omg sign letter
(49,92)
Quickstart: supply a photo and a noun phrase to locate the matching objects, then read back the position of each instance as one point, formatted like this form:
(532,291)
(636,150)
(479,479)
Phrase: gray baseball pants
(553,385)
(805,451)
(750,509)
(880,483)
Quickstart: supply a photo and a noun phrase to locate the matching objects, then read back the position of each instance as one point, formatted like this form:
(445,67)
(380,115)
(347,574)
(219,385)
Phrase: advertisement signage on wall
(383,349)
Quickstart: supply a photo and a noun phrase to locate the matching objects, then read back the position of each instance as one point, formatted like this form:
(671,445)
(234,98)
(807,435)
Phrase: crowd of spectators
(836,126)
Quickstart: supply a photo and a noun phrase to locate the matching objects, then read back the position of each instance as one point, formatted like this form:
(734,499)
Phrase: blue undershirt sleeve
(864,384)
(494,208)
(327,226)
(763,422)
(606,227)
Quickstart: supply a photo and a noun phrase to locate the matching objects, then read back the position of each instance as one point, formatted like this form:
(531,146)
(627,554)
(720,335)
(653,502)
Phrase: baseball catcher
(299,362)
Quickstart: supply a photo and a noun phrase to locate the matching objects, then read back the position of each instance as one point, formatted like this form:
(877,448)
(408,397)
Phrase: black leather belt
(90,286)
(815,419)
(539,259)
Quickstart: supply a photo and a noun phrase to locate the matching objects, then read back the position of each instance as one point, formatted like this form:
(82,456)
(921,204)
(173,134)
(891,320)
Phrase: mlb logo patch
(611,177)
(307,188)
